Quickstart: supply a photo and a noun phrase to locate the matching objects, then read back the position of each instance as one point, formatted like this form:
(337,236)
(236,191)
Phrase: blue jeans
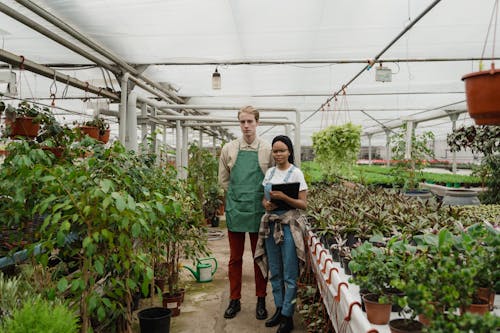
(283,270)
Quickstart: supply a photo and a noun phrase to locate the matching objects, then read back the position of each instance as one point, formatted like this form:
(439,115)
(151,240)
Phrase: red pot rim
(480,73)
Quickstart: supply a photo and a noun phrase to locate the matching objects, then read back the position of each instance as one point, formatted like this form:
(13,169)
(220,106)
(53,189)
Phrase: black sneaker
(233,308)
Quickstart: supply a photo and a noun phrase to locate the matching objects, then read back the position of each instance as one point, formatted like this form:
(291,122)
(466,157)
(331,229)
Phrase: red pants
(236,247)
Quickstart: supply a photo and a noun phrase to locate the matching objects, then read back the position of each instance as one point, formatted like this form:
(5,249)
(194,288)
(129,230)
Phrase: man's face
(248,126)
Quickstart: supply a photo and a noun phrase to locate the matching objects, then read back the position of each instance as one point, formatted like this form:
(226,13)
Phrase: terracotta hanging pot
(91,131)
(23,126)
(482,90)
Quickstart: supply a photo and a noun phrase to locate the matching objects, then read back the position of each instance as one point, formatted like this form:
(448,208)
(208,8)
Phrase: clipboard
(290,189)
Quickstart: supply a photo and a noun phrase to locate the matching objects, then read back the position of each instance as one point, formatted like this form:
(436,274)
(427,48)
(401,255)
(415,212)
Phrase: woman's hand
(268,205)
(278,195)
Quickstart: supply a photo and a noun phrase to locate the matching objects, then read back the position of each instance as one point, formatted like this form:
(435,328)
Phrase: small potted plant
(25,120)
(97,128)
(372,271)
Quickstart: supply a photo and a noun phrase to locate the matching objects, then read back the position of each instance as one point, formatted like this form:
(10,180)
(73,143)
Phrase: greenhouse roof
(271,54)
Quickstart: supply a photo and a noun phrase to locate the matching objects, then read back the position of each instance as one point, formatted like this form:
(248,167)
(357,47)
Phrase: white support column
(131,123)
(123,108)
(200,144)
(370,149)
(387,147)
(153,131)
(184,154)
(144,125)
(178,148)
(409,135)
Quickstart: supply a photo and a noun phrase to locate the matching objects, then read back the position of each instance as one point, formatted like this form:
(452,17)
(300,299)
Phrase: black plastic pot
(154,320)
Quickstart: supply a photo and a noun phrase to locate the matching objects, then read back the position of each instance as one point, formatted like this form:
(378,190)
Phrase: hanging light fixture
(216,79)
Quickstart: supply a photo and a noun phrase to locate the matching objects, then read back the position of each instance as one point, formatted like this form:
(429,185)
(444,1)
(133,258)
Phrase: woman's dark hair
(286,140)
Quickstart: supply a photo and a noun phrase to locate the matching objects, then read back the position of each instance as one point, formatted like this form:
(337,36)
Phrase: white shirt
(279,177)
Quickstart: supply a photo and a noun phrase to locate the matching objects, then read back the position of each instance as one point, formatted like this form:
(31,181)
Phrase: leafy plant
(202,177)
(336,148)
(408,170)
(41,316)
(485,140)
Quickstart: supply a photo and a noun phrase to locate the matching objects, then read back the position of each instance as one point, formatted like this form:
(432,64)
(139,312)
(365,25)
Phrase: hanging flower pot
(483,97)
(23,126)
(91,131)
(104,136)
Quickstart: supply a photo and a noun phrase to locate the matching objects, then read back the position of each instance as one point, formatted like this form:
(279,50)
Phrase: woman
(281,233)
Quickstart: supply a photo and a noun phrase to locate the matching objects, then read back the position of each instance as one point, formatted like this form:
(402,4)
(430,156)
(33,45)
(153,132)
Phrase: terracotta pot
(104,138)
(487,294)
(483,97)
(378,314)
(481,307)
(401,325)
(23,126)
(57,151)
(91,131)
(173,302)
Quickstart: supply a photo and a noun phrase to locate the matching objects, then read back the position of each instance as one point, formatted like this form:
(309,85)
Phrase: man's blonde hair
(251,110)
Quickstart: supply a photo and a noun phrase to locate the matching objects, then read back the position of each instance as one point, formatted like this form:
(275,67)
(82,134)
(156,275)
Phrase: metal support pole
(178,148)
(153,132)
(131,124)
(123,108)
(144,126)
(184,155)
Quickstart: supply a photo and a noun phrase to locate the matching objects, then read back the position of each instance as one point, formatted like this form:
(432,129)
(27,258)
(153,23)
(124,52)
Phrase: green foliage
(202,177)
(41,316)
(485,140)
(11,295)
(408,170)
(336,148)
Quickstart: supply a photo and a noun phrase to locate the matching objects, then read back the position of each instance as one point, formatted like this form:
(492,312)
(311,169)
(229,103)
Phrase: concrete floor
(204,303)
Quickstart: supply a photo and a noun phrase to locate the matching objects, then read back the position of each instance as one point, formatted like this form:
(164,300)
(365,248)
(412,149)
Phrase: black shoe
(275,319)
(233,308)
(260,310)
(286,325)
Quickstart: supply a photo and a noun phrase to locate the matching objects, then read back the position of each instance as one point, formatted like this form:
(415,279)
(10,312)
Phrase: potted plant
(336,149)
(97,128)
(372,270)
(483,100)
(24,121)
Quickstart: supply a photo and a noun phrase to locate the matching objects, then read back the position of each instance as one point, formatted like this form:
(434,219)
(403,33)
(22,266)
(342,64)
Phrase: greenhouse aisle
(204,304)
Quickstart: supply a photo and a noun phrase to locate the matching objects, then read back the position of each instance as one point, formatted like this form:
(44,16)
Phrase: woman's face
(280,153)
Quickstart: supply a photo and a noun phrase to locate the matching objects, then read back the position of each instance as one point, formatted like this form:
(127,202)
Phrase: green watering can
(204,271)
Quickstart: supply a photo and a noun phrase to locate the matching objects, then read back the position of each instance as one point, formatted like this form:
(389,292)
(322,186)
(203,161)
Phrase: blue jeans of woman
(283,269)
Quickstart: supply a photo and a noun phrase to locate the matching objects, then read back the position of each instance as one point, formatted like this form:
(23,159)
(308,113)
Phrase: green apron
(245,192)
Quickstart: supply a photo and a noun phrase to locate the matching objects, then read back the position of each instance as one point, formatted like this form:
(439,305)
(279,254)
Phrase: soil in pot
(402,325)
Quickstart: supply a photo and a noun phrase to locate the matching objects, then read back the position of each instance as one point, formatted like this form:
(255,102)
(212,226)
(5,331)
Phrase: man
(243,163)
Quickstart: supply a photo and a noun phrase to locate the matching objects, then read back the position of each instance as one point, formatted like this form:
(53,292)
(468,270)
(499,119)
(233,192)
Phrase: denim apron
(244,196)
